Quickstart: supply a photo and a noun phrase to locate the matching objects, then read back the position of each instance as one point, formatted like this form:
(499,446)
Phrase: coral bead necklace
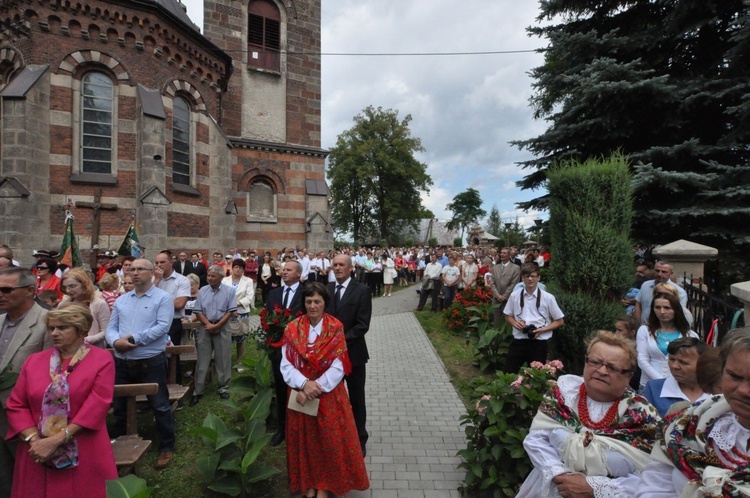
(583,412)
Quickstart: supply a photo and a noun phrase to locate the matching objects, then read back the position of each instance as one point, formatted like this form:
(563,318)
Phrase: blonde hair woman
(79,288)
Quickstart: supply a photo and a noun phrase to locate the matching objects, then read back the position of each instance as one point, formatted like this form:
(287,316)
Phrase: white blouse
(662,480)
(294,378)
(544,448)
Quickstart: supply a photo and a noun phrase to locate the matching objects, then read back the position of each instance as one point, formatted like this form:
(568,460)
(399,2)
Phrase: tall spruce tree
(668,84)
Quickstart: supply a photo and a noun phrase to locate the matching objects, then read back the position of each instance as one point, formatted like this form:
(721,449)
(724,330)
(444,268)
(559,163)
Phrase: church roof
(177,9)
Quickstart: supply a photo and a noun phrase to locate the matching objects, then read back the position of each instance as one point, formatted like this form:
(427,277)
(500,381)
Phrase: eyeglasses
(42,267)
(141,269)
(597,364)
(8,290)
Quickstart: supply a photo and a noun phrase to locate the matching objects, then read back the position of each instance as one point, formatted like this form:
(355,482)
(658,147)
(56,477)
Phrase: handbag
(235,326)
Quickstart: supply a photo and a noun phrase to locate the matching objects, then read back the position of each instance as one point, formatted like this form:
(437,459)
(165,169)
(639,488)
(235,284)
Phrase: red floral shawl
(313,360)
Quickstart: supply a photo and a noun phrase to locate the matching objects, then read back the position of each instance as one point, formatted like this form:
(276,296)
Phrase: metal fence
(709,312)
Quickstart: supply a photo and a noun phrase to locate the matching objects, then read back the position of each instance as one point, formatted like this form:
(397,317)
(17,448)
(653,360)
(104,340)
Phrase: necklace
(741,462)
(583,412)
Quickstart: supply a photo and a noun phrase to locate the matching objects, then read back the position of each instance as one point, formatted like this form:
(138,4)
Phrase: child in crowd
(49,298)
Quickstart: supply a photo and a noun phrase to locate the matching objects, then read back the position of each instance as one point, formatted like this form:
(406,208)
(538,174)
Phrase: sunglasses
(8,290)
(42,267)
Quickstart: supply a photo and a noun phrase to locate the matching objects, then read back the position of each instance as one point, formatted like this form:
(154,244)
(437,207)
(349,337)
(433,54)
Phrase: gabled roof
(178,10)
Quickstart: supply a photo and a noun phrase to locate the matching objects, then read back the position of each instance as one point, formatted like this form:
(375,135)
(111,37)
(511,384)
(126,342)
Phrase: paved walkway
(413,410)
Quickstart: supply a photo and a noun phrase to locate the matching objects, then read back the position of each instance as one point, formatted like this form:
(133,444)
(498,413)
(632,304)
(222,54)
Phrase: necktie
(337,296)
(195,265)
(286,298)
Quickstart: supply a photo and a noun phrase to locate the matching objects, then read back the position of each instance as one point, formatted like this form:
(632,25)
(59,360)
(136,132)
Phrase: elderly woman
(58,409)
(704,452)
(682,385)
(77,285)
(592,435)
(323,452)
(666,323)
(46,278)
(195,285)
(244,291)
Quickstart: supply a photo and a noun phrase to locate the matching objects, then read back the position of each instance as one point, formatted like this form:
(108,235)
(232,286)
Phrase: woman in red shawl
(323,452)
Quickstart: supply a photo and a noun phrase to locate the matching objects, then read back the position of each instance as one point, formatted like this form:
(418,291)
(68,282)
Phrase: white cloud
(465,108)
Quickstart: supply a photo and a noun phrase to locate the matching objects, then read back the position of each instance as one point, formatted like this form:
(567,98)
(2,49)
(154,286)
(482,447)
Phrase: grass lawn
(457,355)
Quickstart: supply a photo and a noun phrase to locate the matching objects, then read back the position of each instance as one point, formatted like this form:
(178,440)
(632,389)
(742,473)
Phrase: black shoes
(277,438)
(195,400)
(224,395)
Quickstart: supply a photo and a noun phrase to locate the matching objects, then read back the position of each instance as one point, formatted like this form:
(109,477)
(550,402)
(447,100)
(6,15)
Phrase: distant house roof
(431,228)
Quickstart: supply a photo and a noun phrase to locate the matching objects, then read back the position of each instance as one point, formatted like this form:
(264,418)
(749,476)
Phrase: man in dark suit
(351,303)
(199,269)
(288,295)
(182,265)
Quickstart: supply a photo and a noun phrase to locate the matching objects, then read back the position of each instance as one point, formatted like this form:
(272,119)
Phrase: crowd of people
(647,417)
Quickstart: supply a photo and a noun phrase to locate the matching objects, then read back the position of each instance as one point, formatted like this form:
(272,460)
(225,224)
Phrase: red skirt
(323,452)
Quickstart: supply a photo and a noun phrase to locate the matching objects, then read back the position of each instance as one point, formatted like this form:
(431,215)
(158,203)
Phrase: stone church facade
(123,111)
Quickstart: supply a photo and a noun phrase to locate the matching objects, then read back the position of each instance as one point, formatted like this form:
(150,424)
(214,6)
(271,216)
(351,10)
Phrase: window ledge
(186,189)
(256,219)
(94,179)
(271,72)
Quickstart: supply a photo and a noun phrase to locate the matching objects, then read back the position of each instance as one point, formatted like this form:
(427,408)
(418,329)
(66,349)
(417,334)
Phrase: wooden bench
(128,449)
(176,391)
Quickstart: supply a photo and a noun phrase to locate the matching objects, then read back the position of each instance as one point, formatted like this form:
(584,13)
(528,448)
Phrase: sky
(465,108)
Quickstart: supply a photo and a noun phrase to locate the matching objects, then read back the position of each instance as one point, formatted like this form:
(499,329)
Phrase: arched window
(97,107)
(261,202)
(180,141)
(264,35)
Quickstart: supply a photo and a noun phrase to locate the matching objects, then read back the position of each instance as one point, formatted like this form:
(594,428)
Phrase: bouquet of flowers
(272,324)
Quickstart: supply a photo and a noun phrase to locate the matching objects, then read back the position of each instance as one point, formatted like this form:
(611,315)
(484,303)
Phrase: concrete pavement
(413,410)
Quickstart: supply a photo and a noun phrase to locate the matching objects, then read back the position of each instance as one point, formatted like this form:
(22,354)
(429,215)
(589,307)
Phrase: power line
(430,54)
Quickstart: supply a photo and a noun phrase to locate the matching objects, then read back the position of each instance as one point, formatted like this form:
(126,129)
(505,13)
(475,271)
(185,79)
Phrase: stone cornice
(260,145)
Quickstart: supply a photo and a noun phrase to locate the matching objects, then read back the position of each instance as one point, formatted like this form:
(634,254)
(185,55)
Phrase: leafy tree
(665,83)
(375,179)
(494,223)
(466,208)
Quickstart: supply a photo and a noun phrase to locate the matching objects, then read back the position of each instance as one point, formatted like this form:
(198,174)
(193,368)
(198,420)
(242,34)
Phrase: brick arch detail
(177,86)
(252,175)
(288,5)
(12,57)
(74,62)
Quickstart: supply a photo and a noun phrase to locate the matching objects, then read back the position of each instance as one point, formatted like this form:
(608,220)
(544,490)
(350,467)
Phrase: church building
(123,112)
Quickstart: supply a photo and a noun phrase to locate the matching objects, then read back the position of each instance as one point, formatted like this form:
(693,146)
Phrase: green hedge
(590,217)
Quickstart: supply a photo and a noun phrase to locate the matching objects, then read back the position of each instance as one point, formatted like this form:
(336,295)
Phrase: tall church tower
(271,115)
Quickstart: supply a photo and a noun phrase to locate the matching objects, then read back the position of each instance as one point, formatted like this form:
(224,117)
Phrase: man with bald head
(138,330)
(351,303)
(287,296)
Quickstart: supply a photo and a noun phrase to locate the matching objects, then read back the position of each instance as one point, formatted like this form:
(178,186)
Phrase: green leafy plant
(492,343)
(495,460)
(231,467)
(129,486)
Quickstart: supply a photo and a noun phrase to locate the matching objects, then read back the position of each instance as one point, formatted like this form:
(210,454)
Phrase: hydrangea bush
(495,460)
